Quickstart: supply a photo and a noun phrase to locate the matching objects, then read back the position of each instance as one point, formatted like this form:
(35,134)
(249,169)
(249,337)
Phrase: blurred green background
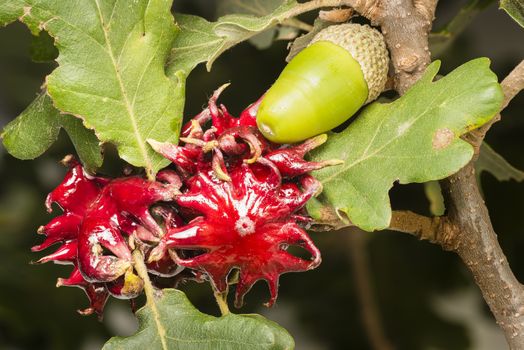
(425,296)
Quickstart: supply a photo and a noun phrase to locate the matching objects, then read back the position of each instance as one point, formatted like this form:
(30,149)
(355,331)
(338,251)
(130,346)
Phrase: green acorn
(344,67)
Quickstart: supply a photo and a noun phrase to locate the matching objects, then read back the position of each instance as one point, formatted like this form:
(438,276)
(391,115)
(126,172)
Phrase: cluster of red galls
(232,201)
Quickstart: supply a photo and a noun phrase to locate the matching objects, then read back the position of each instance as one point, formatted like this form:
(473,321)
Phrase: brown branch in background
(357,243)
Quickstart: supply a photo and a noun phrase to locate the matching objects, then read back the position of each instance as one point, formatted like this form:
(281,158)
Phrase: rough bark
(475,240)
(405,28)
(467,230)
(434,229)
(476,243)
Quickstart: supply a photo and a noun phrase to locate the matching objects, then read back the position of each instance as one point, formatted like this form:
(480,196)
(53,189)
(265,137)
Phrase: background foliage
(426,297)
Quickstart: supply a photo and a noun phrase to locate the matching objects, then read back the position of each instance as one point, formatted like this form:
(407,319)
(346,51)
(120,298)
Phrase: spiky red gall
(243,200)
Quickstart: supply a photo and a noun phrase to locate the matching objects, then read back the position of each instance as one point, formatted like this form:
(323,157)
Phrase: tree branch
(467,230)
(426,8)
(476,241)
(513,83)
(361,6)
(405,25)
(434,229)
(357,243)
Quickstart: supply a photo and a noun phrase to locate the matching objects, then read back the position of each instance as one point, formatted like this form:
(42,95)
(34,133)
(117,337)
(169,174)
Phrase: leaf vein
(130,111)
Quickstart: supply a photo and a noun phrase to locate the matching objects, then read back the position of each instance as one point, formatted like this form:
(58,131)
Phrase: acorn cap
(368,48)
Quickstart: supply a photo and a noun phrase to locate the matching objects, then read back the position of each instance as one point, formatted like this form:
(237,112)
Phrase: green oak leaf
(34,131)
(489,160)
(174,323)
(10,10)
(37,128)
(85,141)
(413,139)
(257,8)
(111,69)
(514,8)
(202,41)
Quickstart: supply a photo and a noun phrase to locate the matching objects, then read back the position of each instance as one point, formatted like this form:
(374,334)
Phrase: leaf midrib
(132,117)
(126,103)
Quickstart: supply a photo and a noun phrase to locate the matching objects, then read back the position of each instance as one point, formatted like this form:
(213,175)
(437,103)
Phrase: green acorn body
(344,67)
